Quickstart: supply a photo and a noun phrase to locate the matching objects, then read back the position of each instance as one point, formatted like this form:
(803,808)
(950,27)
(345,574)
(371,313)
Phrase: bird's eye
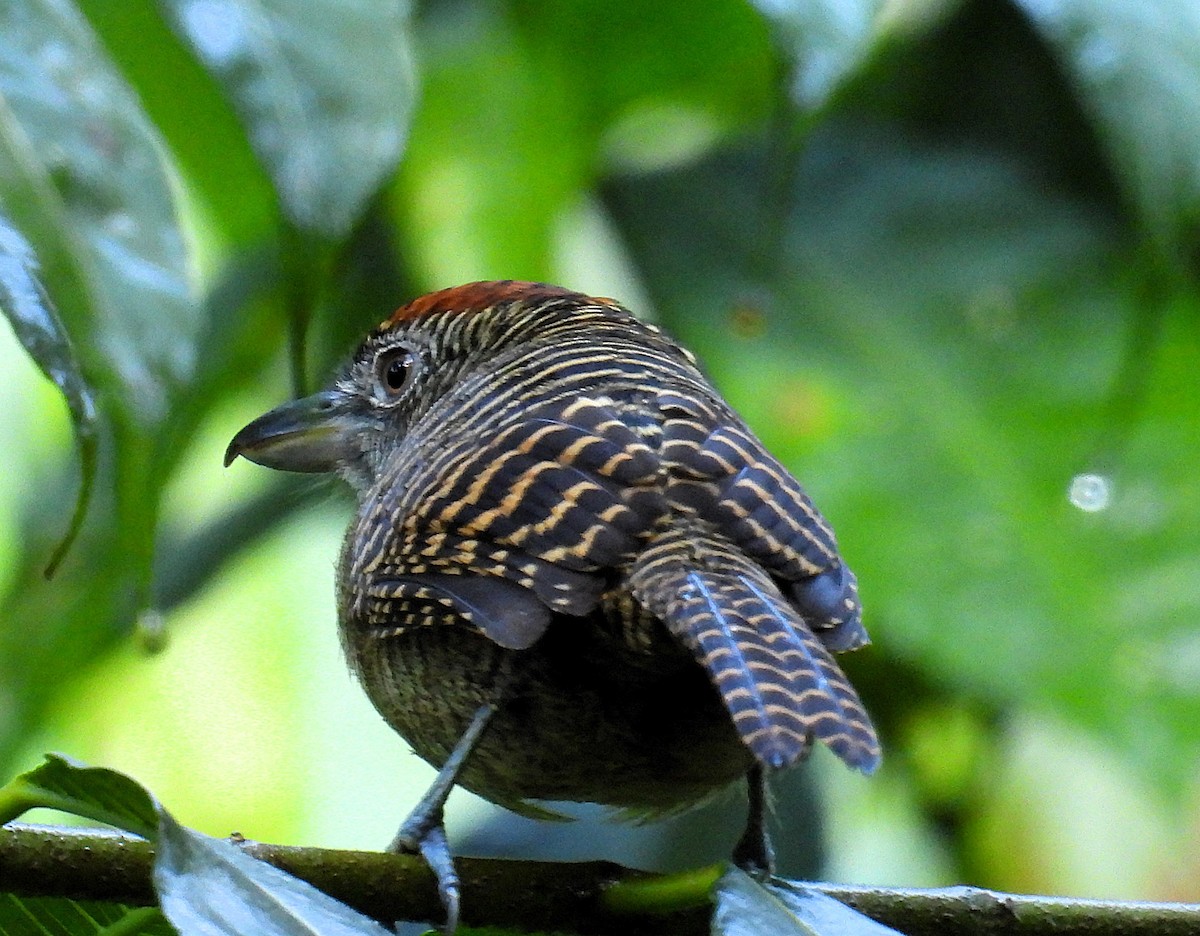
(394,370)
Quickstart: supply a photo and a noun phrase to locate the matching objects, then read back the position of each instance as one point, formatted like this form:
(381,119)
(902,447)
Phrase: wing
(719,469)
(505,531)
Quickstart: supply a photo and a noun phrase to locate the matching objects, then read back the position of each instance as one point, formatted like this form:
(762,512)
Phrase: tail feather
(780,684)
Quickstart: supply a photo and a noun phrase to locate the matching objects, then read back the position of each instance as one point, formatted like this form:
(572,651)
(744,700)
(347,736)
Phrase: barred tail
(781,685)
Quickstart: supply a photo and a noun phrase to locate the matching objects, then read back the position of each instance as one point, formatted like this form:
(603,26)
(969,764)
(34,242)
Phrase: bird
(574,573)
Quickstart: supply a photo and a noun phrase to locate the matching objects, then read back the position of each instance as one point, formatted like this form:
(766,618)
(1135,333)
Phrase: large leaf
(324,88)
(83,177)
(206,886)
(191,111)
(82,174)
(1136,66)
(934,349)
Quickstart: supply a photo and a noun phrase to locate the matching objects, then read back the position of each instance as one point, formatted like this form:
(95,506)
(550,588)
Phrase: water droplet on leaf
(1090,492)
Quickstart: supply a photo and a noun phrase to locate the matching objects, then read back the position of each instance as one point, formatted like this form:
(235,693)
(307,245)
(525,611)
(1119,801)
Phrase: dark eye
(394,370)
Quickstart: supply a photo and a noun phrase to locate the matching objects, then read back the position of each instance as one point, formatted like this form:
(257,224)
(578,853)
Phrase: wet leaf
(84,178)
(86,182)
(193,114)
(324,89)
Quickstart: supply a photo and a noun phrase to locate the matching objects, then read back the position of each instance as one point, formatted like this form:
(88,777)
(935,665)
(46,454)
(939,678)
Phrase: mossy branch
(583,897)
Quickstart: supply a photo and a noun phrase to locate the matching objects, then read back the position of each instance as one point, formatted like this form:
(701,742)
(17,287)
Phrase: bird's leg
(753,852)
(423,831)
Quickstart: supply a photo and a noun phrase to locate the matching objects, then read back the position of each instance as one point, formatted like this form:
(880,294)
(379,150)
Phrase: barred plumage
(559,519)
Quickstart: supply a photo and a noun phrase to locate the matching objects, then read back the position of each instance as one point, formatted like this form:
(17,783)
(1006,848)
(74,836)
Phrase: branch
(583,897)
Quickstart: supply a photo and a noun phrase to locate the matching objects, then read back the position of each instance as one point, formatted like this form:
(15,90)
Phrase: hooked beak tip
(306,435)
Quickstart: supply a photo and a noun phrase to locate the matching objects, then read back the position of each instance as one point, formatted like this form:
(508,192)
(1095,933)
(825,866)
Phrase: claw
(436,852)
(424,834)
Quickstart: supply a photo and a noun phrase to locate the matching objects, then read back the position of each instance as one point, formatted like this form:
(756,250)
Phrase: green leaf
(208,887)
(1136,67)
(824,41)
(23,298)
(936,346)
(84,178)
(193,114)
(324,88)
(205,885)
(93,792)
(60,916)
(744,907)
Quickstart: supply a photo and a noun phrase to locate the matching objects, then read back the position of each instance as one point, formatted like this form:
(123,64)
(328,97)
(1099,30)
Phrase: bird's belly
(577,719)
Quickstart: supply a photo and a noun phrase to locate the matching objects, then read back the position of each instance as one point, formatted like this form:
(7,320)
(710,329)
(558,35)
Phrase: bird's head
(403,367)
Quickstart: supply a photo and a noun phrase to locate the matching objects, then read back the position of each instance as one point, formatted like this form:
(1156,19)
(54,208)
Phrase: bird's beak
(311,434)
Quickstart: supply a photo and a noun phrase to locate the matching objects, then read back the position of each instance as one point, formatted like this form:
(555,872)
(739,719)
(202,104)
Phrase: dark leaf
(35,321)
(195,117)
(85,180)
(1136,67)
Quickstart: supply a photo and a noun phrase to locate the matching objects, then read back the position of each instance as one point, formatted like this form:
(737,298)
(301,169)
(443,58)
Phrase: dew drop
(1090,492)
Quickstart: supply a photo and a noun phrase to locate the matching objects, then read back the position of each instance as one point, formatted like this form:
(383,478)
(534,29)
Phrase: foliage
(941,254)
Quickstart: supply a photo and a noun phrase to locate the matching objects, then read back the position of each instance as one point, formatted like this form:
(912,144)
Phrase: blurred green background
(942,255)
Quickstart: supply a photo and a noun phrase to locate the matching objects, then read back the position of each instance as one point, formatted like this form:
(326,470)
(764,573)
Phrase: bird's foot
(753,852)
(424,834)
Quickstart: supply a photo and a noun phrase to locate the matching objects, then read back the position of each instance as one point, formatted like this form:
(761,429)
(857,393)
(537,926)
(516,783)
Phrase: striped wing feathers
(779,682)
